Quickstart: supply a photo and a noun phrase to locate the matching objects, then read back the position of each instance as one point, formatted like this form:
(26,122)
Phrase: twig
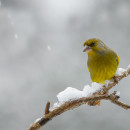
(114,99)
(101,95)
(47,108)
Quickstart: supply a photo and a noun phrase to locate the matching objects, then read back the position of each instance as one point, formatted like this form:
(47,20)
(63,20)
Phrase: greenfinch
(102,61)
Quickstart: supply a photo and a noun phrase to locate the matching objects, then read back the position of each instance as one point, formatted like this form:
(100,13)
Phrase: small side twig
(121,104)
(47,108)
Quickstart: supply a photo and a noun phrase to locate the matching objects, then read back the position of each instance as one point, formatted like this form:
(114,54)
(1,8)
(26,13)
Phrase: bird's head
(94,44)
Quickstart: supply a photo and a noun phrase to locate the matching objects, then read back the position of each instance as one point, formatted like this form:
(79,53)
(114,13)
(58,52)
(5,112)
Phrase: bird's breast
(102,68)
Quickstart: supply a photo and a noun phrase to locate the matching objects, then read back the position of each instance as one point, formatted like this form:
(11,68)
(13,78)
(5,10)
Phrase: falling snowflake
(0,3)
(15,36)
(48,48)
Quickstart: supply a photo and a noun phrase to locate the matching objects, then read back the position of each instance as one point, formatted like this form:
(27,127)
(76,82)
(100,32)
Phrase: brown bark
(100,95)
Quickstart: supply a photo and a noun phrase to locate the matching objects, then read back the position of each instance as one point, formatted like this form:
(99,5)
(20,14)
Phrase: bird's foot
(115,79)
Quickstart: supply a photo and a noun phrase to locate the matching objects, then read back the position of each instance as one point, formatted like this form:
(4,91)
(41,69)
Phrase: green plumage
(102,61)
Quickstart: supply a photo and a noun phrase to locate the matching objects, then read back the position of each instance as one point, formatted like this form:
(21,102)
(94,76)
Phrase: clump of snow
(89,90)
(128,69)
(118,93)
(70,93)
(49,48)
(37,120)
(119,71)
(107,82)
(57,104)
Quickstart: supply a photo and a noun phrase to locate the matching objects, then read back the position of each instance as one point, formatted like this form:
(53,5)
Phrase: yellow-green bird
(102,61)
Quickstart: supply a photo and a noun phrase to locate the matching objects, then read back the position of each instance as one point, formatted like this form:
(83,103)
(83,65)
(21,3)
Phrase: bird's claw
(115,79)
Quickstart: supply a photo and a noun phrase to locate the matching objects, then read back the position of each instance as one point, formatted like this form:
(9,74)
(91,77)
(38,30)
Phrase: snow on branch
(72,98)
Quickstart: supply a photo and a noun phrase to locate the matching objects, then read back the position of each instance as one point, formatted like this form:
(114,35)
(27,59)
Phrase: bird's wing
(88,69)
(117,60)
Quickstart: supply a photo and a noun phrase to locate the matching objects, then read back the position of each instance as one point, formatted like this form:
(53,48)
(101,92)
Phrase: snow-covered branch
(72,98)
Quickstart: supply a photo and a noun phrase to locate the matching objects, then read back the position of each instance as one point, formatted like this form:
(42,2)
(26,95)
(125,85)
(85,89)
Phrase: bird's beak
(87,49)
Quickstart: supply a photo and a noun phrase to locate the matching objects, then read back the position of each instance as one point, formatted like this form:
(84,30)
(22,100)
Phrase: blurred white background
(41,44)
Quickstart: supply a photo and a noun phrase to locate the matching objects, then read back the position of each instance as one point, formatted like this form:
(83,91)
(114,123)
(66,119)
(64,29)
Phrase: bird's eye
(92,44)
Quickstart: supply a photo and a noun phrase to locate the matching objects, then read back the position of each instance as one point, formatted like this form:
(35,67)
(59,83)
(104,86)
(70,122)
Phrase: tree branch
(100,95)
